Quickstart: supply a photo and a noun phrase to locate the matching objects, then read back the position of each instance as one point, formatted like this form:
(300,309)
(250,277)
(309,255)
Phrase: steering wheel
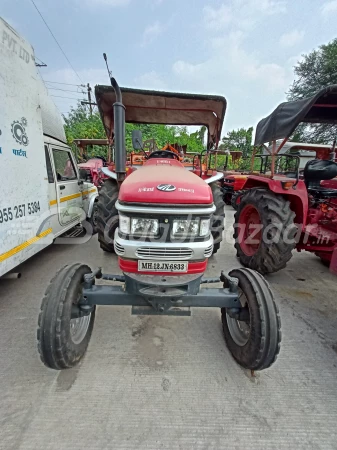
(163,154)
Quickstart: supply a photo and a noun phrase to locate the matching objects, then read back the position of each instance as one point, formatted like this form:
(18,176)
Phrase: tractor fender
(108,173)
(298,196)
(213,178)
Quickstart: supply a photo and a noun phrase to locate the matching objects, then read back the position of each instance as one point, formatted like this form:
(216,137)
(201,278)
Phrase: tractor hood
(165,182)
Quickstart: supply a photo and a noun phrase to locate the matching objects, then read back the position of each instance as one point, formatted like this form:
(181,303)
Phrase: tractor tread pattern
(54,353)
(107,215)
(274,212)
(234,198)
(266,347)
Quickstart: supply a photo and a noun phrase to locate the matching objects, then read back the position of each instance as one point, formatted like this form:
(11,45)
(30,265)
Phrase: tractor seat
(317,170)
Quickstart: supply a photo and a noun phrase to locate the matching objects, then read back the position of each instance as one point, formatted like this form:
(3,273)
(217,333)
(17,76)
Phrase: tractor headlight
(185,228)
(141,227)
(204,227)
(124,224)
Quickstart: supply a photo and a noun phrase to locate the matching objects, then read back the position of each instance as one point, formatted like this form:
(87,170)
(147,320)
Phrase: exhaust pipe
(119,132)
(119,128)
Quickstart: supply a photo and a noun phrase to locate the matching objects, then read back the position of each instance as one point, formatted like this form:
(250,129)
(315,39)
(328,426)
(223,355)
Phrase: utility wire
(67,84)
(66,90)
(37,9)
(70,98)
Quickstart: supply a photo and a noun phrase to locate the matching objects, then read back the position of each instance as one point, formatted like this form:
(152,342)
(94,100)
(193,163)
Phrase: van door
(68,188)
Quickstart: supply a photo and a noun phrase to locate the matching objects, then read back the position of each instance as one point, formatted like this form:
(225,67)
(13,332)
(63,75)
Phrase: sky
(244,50)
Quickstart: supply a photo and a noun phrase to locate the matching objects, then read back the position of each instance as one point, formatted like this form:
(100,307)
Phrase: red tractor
(282,207)
(91,168)
(232,188)
(233,180)
(233,183)
(164,221)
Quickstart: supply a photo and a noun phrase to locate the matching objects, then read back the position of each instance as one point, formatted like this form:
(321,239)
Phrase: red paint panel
(141,185)
(127,265)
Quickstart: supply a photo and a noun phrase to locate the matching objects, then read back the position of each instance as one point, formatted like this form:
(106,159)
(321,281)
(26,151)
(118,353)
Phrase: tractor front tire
(218,218)
(63,340)
(254,339)
(264,231)
(107,215)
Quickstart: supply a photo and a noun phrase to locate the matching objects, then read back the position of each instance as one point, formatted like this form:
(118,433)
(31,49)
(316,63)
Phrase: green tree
(313,72)
(239,140)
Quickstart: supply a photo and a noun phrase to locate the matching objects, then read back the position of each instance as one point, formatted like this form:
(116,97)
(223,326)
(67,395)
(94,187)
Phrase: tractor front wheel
(218,218)
(107,215)
(254,337)
(64,330)
(264,231)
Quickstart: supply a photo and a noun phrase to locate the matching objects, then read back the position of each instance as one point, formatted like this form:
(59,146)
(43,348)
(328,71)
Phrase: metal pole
(89,98)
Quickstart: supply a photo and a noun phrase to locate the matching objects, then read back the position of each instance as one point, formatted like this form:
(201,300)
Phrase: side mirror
(137,140)
(83,174)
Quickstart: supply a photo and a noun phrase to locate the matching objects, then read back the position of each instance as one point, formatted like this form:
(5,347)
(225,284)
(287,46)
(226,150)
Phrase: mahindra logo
(166,187)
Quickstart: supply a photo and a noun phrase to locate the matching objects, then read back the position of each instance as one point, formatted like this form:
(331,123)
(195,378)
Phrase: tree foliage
(313,72)
(239,140)
(79,124)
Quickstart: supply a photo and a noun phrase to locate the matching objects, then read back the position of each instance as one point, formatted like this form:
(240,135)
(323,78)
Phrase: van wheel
(107,215)
(64,331)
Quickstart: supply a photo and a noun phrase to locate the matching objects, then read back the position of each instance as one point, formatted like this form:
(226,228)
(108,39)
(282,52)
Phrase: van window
(48,165)
(64,166)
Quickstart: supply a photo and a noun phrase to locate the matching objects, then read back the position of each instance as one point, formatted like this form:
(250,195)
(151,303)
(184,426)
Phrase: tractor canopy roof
(155,107)
(281,123)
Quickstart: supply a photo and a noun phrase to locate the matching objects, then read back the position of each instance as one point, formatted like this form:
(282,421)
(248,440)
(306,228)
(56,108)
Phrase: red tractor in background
(234,179)
(164,221)
(91,168)
(281,210)
(232,188)
(233,183)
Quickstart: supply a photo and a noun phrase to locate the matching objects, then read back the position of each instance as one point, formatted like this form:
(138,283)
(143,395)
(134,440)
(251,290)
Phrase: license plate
(162,266)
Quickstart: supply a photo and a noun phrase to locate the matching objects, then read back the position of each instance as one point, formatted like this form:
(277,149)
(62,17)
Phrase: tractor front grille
(174,253)
(208,251)
(119,249)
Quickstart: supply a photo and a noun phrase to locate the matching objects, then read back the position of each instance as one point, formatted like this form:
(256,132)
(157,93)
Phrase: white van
(42,195)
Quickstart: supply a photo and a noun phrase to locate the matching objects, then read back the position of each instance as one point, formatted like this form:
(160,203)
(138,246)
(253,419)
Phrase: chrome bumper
(187,251)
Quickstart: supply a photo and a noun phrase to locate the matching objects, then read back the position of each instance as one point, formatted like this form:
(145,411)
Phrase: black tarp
(281,123)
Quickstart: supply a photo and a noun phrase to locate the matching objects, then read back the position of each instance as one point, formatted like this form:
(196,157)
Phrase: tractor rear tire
(107,215)
(269,249)
(218,218)
(235,198)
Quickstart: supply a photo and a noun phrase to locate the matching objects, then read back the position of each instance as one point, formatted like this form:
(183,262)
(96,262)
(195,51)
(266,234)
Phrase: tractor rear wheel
(107,215)
(264,231)
(218,218)
(254,337)
(235,200)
